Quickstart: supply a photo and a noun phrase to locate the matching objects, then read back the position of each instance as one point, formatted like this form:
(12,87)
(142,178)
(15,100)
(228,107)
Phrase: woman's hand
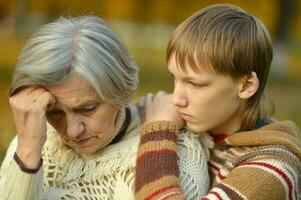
(160,107)
(29,108)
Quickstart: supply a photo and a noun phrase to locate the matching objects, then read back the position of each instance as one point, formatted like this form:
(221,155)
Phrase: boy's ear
(248,86)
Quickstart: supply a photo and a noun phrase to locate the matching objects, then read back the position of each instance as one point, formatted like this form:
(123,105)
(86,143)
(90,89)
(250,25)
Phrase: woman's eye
(55,114)
(87,109)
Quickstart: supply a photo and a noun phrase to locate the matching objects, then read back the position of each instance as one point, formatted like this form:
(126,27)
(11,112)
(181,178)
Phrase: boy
(220,59)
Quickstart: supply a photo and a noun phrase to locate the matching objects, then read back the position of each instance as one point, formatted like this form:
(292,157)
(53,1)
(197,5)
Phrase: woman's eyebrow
(87,103)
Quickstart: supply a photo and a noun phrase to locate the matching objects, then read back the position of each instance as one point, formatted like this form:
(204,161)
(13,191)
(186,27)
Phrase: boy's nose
(179,98)
(179,101)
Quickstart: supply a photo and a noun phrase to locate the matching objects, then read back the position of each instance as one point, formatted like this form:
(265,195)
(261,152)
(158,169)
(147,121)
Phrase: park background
(145,27)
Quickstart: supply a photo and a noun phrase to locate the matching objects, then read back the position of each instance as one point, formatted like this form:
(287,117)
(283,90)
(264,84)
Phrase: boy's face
(206,101)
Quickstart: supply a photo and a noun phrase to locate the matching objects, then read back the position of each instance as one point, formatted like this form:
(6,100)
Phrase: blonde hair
(84,45)
(225,39)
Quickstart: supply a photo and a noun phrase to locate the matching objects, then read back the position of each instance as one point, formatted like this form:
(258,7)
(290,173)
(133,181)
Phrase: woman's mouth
(82,142)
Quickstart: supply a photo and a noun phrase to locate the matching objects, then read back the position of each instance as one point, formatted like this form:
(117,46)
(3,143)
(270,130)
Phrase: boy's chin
(194,127)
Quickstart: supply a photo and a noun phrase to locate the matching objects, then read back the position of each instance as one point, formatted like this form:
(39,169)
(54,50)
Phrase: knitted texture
(159,140)
(106,174)
(193,164)
(260,164)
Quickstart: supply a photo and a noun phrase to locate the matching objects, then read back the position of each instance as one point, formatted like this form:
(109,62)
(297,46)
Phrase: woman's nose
(74,127)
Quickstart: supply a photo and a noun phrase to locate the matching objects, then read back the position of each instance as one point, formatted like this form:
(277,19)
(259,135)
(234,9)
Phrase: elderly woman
(77,136)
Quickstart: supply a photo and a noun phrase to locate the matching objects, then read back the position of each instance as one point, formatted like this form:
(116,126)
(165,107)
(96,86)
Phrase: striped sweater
(264,163)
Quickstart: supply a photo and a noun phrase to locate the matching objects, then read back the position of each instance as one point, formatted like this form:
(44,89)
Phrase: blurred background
(145,27)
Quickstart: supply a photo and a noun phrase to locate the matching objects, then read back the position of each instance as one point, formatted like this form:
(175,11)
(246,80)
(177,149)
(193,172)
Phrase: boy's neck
(230,126)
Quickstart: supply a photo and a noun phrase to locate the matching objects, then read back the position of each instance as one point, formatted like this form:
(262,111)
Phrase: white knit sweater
(106,174)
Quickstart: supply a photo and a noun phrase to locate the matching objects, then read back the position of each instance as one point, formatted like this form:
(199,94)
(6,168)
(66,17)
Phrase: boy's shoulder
(282,133)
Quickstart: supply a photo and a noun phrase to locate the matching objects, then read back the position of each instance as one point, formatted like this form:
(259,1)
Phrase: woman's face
(83,120)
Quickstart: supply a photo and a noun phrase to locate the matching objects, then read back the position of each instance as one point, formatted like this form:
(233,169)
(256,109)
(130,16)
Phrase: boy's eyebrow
(184,77)
(188,78)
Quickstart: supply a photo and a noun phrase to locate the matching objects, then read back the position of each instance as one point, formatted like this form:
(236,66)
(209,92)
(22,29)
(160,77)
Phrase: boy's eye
(194,84)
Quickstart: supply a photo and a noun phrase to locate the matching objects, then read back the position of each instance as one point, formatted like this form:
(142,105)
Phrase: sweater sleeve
(16,184)
(157,172)
(157,176)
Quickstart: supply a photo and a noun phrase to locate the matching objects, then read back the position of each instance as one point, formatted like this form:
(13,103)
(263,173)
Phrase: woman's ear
(249,85)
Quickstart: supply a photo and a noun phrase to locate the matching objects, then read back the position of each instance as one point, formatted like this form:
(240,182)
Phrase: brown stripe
(231,194)
(165,162)
(248,179)
(158,126)
(156,146)
(157,136)
(148,189)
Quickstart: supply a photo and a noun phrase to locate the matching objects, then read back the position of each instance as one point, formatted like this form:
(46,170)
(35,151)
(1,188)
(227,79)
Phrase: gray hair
(84,45)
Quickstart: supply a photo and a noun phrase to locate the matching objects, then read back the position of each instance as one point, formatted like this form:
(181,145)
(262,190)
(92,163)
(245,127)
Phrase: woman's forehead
(75,89)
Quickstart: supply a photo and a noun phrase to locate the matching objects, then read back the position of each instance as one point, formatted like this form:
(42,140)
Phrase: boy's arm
(157,174)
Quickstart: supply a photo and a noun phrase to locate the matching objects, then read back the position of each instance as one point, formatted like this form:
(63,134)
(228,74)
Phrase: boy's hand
(160,107)
(29,112)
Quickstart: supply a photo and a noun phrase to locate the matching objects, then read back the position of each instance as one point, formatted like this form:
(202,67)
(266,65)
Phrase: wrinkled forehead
(75,89)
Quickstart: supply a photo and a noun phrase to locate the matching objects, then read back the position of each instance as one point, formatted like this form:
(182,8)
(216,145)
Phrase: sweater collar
(219,138)
(119,125)
(121,132)
(284,133)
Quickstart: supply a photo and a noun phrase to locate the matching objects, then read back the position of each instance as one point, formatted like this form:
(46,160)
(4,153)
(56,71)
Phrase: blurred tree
(287,11)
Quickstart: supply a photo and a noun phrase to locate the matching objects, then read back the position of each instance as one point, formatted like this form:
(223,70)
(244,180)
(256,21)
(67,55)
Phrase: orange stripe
(155,152)
(161,191)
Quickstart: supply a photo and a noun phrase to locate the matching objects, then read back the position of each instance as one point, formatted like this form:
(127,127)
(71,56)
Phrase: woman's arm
(15,183)
(29,107)
(21,173)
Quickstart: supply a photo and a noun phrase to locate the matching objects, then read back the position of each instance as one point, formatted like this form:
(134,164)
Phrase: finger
(141,101)
(36,91)
(47,100)
(161,93)
(149,99)
(51,103)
